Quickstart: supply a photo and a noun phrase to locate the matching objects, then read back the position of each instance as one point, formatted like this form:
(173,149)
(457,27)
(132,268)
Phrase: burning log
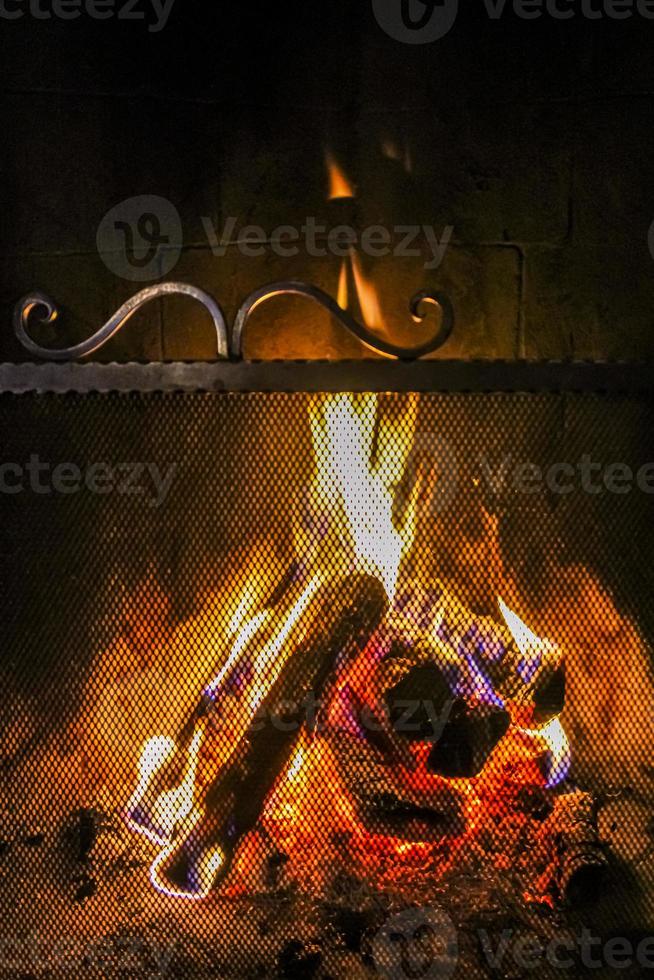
(549,695)
(467,740)
(418,699)
(577,862)
(537,681)
(441,682)
(583,861)
(164,798)
(479,658)
(385,804)
(347,616)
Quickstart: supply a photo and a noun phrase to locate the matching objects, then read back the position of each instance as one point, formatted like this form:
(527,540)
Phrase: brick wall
(532,139)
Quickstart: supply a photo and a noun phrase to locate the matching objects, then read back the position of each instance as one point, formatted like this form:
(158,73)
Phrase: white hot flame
(554,738)
(356,481)
(533,648)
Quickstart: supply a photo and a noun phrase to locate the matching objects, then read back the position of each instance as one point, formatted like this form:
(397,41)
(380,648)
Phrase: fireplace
(325,668)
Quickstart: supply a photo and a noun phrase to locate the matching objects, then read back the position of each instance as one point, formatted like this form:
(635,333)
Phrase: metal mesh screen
(326,686)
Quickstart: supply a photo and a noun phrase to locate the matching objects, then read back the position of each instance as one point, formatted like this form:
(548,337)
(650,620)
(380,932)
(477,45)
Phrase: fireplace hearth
(314,669)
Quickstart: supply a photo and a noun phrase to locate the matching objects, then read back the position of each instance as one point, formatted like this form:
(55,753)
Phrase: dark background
(534,139)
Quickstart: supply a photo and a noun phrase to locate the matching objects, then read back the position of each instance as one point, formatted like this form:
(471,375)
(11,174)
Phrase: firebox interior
(260,644)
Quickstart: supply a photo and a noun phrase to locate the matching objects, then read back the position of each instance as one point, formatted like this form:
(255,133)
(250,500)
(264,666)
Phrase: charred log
(549,696)
(384,803)
(345,620)
(467,740)
(417,701)
(571,849)
(583,862)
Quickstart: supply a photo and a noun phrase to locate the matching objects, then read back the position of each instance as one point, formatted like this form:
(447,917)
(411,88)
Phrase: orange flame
(360,460)
(265,638)
(339,185)
(343,295)
(361,457)
(367,295)
(365,292)
(178,807)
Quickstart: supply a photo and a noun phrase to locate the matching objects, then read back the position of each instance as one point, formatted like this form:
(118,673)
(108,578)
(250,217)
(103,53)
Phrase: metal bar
(331,376)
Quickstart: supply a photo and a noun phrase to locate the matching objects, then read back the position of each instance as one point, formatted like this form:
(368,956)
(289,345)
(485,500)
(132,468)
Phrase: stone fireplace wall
(531,139)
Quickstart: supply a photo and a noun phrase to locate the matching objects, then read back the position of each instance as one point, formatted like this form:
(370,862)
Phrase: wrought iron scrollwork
(366,336)
(39,306)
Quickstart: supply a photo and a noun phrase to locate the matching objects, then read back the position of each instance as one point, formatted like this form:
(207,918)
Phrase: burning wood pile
(362,721)
(365,717)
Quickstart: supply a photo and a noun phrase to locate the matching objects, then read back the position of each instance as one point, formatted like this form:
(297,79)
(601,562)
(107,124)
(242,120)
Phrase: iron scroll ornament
(38,306)
(366,336)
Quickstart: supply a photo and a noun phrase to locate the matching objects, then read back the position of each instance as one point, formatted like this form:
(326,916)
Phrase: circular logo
(141,238)
(417,944)
(416,21)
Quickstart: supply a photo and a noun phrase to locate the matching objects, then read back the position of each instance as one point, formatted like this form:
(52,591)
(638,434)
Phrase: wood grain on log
(347,614)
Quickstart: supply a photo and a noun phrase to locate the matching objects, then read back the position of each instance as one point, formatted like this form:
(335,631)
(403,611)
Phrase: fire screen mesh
(304,685)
